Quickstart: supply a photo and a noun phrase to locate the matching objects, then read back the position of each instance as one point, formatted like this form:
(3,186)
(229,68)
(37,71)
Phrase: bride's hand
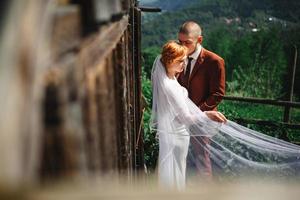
(216,116)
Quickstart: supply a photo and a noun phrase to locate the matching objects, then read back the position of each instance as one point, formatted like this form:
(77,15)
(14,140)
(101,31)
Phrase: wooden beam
(263,101)
(150,9)
(100,45)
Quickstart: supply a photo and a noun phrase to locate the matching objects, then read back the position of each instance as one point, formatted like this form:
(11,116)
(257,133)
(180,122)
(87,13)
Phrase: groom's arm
(216,86)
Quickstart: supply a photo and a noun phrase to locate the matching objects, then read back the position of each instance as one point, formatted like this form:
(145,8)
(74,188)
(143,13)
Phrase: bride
(234,149)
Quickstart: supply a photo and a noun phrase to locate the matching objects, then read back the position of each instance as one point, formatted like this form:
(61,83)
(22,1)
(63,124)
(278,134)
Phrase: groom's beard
(197,46)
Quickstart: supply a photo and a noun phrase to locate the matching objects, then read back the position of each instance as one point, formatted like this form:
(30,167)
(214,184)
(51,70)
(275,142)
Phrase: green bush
(150,141)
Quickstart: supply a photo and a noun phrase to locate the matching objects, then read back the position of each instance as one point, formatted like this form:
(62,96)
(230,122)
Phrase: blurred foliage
(149,55)
(258,64)
(150,141)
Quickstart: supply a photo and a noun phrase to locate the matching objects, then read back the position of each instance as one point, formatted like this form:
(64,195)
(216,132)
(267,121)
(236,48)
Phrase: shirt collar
(197,52)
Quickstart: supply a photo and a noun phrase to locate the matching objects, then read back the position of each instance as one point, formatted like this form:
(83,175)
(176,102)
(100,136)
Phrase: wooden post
(139,162)
(287,109)
(121,86)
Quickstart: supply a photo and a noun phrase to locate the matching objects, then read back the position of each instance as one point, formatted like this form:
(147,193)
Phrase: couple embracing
(188,83)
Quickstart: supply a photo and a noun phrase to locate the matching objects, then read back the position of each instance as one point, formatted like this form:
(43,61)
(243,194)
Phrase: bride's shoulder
(170,84)
(181,88)
(185,92)
(173,84)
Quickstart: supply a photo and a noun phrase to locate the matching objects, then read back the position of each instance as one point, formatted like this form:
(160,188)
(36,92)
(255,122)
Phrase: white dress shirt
(195,56)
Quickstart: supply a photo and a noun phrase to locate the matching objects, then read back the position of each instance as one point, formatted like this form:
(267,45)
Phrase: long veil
(234,150)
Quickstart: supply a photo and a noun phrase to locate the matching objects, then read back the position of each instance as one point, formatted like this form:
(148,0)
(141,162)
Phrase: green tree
(258,65)
(149,54)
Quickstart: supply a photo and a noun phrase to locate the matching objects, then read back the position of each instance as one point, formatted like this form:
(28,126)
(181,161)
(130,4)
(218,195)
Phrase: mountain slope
(287,10)
(234,14)
(168,5)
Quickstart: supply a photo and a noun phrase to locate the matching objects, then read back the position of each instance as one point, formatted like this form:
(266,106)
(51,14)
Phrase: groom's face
(190,41)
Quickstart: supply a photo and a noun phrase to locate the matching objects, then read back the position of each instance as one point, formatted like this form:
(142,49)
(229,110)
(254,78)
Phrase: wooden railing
(288,104)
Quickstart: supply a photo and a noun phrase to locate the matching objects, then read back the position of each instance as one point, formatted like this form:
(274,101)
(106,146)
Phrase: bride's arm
(186,111)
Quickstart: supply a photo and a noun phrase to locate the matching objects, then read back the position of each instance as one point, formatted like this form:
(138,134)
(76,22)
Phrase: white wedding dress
(234,150)
(173,148)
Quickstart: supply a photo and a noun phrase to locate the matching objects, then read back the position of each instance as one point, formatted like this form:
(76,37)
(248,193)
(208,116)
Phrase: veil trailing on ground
(233,149)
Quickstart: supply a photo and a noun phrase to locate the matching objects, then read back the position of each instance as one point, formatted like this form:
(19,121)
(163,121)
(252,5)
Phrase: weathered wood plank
(66,30)
(98,46)
(78,91)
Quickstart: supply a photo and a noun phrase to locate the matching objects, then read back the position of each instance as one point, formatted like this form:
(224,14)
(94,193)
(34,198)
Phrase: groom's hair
(190,27)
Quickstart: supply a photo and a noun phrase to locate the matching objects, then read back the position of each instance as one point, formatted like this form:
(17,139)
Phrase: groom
(204,78)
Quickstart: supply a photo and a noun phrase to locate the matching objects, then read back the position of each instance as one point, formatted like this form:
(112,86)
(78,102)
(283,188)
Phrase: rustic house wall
(70,90)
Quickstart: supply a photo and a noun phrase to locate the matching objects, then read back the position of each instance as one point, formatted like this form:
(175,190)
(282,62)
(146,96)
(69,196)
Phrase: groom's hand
(216,116)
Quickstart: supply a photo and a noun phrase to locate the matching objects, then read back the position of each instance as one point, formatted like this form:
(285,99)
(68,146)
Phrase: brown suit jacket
(206,85)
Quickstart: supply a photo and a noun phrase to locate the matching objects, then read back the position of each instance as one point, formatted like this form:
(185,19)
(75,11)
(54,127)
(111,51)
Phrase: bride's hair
(171,51)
